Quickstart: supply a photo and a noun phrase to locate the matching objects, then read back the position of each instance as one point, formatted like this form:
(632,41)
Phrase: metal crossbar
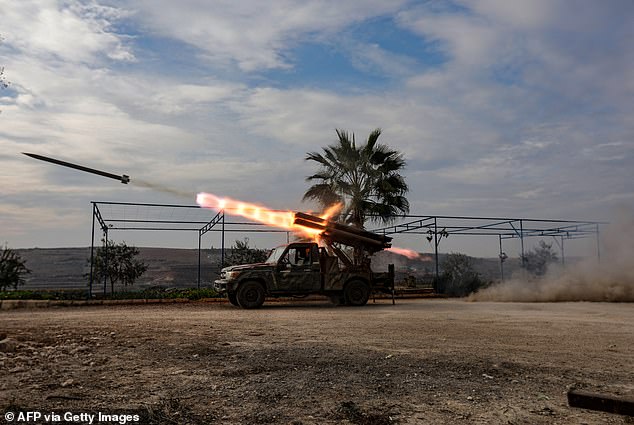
(173,217)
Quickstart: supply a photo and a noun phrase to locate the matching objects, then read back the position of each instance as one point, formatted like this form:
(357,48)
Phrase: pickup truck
(300,269)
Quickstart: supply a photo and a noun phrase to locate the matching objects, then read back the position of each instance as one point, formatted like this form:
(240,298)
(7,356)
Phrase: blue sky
(501,108)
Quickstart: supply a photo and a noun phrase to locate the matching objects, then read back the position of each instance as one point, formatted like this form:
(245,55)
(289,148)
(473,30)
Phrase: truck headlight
(232,275)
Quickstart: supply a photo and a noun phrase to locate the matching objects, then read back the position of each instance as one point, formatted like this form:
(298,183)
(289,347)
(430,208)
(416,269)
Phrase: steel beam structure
(434,227)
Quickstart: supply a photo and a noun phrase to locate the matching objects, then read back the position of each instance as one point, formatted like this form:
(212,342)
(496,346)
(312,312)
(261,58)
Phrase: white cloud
(71,31)
(373,59)
(183,98)
(254,34)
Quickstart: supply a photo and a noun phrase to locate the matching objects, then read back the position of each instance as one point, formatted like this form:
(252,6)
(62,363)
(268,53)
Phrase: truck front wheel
(250,295)
(357,293)
(233,299)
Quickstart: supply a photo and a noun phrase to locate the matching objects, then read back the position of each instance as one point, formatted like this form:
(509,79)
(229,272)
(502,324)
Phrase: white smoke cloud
(610,279)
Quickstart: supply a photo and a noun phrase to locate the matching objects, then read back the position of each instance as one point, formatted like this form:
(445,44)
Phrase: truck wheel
(250,295)
(357,293)
(233,299)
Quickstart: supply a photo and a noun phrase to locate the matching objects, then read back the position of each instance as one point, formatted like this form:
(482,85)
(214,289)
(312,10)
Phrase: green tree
(365,179)
(122,264)
(12,269)
(459,278)
(537,260)
(241,253)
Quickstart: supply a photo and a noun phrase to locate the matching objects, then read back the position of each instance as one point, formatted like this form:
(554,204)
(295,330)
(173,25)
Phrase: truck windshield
(275,255)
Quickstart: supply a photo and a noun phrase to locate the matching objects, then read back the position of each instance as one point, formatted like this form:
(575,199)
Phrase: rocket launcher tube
(341,233)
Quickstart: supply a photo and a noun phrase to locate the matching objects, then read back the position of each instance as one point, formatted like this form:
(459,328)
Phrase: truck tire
(356,293)
(233,299)
(250,295)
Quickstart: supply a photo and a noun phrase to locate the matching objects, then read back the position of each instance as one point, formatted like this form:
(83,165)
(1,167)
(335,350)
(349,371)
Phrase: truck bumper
(220,286)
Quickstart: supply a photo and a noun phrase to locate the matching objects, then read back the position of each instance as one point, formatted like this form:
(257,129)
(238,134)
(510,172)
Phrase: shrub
(241,253)
(537,260)
(458,279)
(12,269)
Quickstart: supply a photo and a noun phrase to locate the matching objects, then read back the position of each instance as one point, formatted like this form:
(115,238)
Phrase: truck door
(298,270)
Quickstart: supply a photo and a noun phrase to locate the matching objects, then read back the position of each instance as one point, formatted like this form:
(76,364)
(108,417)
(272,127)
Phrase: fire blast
(281,219)
(276,218)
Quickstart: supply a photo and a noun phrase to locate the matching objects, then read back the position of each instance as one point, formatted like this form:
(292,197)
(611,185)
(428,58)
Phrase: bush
(241,253)
(43,295)
(12,269)
(151,293)
(162,293)
(458,279)
(537,260)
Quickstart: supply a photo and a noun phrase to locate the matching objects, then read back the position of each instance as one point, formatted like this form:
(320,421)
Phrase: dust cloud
(164,189)
(610,279)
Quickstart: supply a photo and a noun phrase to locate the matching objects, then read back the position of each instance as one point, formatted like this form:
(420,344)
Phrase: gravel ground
(418,362)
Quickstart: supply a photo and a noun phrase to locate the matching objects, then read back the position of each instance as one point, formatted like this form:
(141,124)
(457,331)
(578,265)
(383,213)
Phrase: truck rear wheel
(356,293)
(233,299)
(250,295)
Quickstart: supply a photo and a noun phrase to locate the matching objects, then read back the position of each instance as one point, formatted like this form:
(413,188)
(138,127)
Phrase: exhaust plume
(162,188)
(411,254)
(611,279)
(260,213)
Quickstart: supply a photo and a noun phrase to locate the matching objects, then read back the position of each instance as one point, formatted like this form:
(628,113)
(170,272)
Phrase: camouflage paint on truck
(300,269)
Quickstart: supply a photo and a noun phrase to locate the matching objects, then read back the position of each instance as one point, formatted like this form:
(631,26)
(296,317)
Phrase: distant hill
(65,268)
(423,267)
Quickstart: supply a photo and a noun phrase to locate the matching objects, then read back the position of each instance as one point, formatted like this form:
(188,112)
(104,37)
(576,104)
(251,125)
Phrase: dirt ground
(418,362)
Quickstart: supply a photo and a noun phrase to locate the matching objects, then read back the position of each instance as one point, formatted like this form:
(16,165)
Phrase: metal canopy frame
(131,216)
(439,226)
(148,217)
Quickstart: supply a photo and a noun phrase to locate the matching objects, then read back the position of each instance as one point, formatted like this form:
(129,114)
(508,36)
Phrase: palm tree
(364,179)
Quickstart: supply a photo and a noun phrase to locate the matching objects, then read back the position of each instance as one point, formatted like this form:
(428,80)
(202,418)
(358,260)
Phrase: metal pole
(598,243)
(222,242)
(436,245)
(105,275)
(501,259)
(92,250)
(563,252)
(199,237)
(522,244)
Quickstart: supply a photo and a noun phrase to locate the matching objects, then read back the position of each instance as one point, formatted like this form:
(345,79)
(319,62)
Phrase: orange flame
(404,252)
(262,214)
(412,255)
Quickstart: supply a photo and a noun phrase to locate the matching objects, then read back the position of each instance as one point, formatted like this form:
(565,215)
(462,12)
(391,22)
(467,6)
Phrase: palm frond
(365,178)
(322,193)
(373,138)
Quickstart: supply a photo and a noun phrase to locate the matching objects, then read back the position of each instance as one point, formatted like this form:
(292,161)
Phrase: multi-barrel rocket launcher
(317,264)
(333,233)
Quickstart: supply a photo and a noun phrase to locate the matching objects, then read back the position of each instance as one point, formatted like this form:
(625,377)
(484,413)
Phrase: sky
(511,109)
